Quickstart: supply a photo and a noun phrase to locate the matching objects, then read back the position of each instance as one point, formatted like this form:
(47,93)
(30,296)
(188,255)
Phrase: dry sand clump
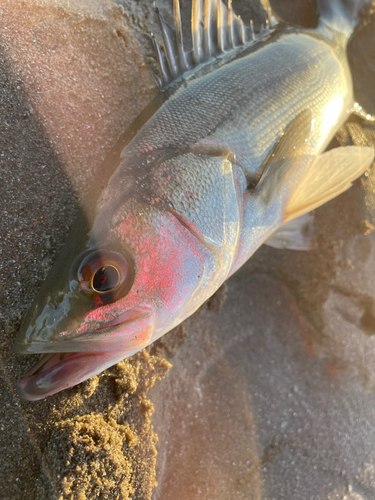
(106,447)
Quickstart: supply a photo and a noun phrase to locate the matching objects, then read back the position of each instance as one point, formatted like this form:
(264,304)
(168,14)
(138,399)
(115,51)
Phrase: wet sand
(271,390)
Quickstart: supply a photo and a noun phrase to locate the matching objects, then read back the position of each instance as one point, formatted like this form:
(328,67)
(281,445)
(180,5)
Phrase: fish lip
(59,371)
(102,338)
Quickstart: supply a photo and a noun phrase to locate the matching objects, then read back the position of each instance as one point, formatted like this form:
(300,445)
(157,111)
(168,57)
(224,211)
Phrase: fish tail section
(341,15)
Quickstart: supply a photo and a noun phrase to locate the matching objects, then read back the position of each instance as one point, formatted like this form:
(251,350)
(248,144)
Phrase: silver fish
(233,158)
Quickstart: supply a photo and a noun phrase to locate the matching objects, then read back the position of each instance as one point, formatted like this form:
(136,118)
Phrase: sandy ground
(271,393)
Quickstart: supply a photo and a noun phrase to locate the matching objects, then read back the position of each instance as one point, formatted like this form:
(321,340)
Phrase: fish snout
(40,325)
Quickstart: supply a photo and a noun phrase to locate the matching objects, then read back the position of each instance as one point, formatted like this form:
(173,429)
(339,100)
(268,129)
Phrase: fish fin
(325,177)
(289,154)
(215,30)
(300,182)
(293,142)
(341,15)
(297,234)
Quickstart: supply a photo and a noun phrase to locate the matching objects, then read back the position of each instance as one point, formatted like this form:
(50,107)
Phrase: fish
(233,158)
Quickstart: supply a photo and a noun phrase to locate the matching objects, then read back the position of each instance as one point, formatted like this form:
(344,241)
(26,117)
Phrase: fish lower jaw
(56,372)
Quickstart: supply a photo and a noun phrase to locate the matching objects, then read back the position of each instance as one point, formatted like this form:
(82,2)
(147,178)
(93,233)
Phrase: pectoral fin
(293,183)
(325,177)
(289,150)
(296,182)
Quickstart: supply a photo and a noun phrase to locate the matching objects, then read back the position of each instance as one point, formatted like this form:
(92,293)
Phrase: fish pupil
(105,279)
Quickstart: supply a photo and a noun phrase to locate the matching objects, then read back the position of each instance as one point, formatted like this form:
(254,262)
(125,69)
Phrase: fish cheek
(170,261)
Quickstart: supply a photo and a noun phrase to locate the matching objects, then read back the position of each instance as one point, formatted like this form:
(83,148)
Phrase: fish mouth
(56,372)
(129,328)
(97,350)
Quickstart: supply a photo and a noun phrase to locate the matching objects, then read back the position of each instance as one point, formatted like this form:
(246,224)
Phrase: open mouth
(74,360)
(56,372)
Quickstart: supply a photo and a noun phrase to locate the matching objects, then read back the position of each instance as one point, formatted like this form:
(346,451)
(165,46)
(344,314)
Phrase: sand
(271,390)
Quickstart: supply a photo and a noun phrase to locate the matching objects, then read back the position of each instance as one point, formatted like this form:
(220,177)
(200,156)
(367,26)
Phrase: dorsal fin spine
(269,14)
(252,31)
(168,34)
(220,26)
(230,25)
(215,30)
(196,30)
(161,61)
(179,37)
(177,22)
(207,30)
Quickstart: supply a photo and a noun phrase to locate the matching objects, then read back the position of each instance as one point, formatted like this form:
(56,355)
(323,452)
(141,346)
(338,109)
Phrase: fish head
(115,289)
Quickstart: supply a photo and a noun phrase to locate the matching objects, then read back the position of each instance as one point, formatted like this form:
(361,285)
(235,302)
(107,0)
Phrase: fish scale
(224,102)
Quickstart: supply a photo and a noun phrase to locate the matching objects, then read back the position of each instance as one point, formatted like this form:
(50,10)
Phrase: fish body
(232,155)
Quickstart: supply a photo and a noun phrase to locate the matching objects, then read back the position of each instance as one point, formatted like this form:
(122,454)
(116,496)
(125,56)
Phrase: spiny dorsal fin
(215,30)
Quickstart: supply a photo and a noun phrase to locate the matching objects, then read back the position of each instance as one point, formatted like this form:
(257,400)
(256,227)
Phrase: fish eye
(105,279)
(105,273)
